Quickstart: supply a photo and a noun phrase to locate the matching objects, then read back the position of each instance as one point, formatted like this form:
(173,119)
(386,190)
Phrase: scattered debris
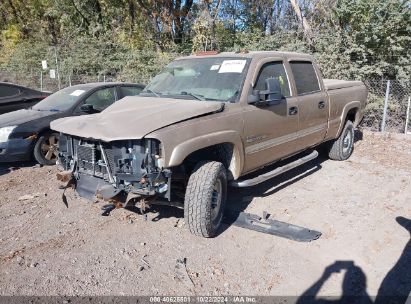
(107,209)
(181,273)
(145,262)
(29,197)
(20,260)
(26,197)
(179,223)
(33,264)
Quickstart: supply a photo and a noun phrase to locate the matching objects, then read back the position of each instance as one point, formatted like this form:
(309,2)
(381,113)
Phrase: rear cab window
(275,70)
(305,77)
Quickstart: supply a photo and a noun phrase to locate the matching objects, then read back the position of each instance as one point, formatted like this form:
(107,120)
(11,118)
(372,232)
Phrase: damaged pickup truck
(205,123)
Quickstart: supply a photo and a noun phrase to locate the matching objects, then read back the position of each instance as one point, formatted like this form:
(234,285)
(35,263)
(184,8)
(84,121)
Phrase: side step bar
(266,176)
(273,227)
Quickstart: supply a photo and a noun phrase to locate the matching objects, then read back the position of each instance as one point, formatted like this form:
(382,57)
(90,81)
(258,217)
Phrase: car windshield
(215,78)
(61,100)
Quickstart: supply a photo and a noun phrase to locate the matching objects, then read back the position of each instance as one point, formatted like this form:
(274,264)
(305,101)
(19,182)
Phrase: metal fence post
(384,115)
(407,118)
(41,81)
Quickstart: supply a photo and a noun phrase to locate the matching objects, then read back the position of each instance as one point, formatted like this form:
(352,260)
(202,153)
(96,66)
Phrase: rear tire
(205,198)
(46,149)
(343,146)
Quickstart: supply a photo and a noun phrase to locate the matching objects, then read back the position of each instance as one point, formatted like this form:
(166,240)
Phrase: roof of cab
(252,54)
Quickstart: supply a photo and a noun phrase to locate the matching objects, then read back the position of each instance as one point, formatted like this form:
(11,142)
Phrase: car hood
(134,117)
(22,116)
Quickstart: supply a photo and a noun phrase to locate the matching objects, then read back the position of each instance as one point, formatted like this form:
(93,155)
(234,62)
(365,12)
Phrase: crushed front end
(105,169)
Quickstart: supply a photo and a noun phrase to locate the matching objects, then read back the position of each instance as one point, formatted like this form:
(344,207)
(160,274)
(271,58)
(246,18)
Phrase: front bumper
(16,149)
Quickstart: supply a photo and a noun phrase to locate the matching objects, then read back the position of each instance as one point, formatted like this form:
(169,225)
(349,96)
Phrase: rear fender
(349,106)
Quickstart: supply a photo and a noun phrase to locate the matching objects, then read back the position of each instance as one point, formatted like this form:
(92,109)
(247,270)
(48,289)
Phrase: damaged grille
(123,160)
(86,153)
(90,160)
(110,157)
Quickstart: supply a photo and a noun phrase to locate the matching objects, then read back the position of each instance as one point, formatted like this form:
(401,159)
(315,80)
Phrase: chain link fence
(42,81)
(393,94)
(387,106)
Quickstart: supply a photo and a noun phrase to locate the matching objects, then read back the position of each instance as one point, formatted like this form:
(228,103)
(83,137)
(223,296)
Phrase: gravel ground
(48,249)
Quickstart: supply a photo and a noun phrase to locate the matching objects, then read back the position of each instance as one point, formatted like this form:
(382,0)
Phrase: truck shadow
(240,198)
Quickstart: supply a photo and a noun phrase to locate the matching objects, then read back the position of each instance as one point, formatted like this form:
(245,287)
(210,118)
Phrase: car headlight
(5,133)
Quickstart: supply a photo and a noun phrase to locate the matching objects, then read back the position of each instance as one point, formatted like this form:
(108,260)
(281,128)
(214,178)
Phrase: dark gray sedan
(26,133)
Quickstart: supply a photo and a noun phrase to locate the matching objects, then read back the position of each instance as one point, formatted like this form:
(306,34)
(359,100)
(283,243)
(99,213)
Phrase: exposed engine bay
(104,169)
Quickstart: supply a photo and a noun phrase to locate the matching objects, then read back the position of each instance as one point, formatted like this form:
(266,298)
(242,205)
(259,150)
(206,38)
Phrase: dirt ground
(48,249)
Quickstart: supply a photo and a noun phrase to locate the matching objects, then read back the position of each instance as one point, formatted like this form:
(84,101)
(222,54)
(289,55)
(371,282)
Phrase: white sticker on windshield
(232,66)
(77,92)
(214,67)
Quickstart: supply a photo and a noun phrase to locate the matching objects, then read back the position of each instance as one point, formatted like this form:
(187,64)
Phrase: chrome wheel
(49,148)
(216,198)
(347,142)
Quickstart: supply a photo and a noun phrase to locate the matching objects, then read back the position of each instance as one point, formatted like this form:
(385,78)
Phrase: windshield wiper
(151,92)
(196,96)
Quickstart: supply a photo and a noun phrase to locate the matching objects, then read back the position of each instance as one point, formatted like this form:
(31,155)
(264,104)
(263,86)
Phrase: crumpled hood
(134,117)
(19,117)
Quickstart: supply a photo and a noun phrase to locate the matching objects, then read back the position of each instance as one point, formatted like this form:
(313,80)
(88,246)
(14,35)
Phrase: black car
(14,97)
(25,133)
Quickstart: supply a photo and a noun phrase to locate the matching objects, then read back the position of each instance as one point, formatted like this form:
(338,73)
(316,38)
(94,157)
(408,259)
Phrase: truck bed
(334,84)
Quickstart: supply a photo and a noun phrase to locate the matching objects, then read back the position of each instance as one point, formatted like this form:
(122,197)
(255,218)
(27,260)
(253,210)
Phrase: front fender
(184,149)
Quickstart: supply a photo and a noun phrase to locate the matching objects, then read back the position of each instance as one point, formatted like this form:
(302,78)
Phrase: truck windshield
(61,100)
(216,78)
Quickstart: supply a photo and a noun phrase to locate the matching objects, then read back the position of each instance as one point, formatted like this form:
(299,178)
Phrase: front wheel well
(223,152)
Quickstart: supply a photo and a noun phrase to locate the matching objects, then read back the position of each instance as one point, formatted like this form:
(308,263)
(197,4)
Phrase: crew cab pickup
(205,123)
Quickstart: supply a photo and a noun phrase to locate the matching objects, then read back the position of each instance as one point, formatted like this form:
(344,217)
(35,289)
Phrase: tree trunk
(306,26)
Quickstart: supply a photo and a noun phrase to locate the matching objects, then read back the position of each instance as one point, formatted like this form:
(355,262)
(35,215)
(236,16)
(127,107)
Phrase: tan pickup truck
(205,123)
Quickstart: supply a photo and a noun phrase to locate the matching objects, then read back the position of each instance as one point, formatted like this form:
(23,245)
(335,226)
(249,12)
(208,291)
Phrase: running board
(277,228)
(266,176)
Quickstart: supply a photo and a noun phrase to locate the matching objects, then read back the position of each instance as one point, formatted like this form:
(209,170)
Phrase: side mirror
(272,95)
(87,108)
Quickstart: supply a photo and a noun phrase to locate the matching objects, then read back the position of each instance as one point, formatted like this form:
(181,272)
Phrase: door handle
(321,105)
(292,110)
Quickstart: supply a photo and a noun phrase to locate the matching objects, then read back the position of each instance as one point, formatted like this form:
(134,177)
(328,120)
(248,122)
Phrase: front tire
(205,198)
(343,146)
(46,149)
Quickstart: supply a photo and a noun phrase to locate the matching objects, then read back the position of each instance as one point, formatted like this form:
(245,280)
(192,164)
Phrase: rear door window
(305,77)
(8,91)
(130,91)
(102,98)
(273,70)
